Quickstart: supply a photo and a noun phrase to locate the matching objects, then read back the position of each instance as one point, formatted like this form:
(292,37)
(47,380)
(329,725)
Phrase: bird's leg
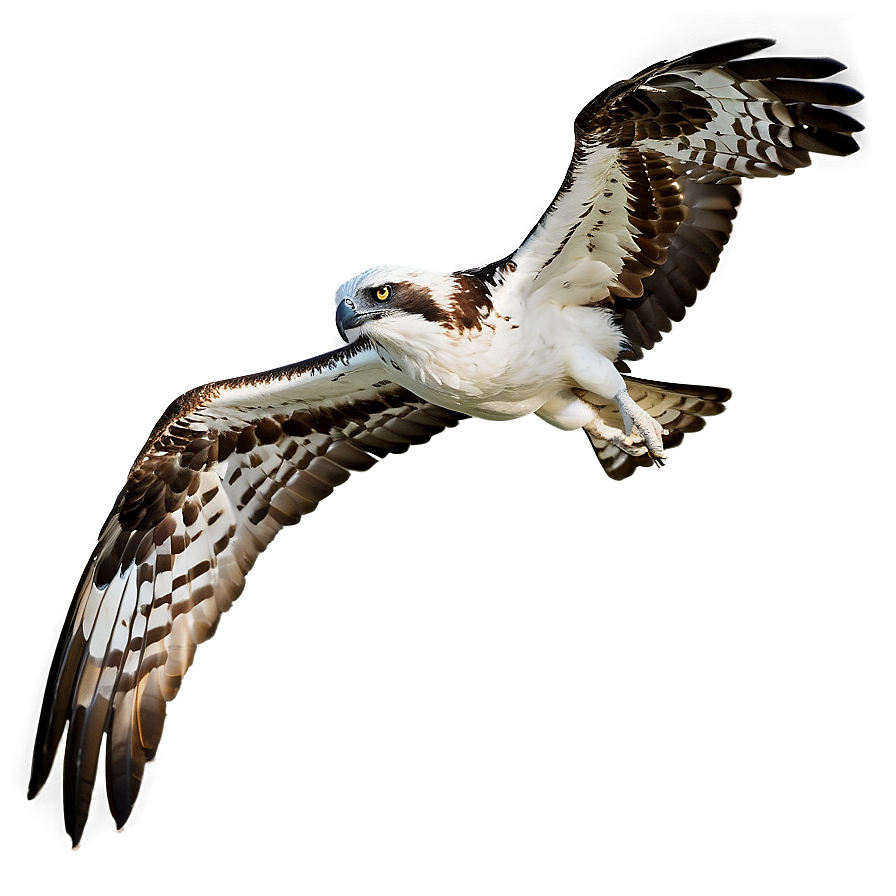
(649,432)
(631,444)
(642,435)
(596,373)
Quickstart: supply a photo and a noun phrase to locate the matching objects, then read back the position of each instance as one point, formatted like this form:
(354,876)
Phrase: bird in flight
(635,230)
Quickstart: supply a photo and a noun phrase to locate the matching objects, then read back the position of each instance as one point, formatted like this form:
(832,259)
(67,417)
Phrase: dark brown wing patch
(691,256)
(655,211)
(635,115)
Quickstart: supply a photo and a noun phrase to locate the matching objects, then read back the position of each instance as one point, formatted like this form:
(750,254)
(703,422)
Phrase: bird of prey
(634,231)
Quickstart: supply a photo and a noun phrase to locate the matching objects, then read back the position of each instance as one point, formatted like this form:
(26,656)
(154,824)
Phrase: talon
(648,430)
(632,445)
(642,434)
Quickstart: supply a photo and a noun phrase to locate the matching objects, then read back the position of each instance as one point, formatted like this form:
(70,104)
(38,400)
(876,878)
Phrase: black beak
(346,318)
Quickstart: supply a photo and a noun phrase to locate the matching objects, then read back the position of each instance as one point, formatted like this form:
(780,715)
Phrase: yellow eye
(383,293)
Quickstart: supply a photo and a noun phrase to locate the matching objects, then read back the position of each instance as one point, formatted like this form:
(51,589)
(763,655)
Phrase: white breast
(508,368)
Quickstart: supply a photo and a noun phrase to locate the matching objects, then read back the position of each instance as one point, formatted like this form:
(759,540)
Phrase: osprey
(633,233)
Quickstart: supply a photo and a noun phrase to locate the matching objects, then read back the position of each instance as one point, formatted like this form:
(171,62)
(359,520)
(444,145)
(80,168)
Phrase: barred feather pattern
(206,497)
(725,117)
(648,200)
(691,258)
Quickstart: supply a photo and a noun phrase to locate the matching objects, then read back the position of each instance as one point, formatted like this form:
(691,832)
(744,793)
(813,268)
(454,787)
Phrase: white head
(398,304)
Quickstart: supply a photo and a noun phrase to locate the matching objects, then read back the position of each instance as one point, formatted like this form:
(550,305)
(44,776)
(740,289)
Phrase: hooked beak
(346,318)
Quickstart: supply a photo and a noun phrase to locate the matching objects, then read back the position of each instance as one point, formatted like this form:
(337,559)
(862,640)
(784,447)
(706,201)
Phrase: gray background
(527,678)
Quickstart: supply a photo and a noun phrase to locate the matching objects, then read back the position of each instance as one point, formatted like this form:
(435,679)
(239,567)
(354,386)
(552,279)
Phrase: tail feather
(680,409)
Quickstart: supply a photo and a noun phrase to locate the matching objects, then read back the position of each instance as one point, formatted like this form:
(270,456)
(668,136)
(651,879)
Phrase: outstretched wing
(227,467)
(652,189)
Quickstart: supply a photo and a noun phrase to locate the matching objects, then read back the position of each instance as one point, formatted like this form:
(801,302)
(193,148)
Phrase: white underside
(519,363)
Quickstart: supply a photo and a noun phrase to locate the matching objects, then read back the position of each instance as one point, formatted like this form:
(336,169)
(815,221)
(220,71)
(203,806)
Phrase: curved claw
(651,432)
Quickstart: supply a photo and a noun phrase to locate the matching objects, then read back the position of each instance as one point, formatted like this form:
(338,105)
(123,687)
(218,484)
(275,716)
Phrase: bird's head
(401,302)
(389,291)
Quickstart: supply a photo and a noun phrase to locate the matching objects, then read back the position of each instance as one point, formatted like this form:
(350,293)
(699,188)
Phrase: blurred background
(505,672)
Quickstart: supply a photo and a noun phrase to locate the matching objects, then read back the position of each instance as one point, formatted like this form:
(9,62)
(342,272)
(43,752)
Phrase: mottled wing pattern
(680,409)
(652,189)
(226,468)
